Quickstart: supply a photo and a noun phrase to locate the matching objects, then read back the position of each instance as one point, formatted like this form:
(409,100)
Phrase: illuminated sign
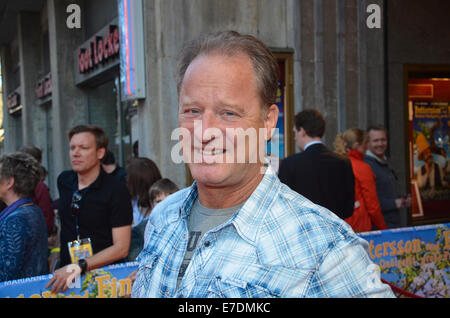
(99,50)
(99,54)
(13,102)
(132,53)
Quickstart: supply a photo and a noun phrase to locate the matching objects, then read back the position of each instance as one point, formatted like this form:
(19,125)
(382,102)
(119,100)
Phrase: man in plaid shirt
(237,231)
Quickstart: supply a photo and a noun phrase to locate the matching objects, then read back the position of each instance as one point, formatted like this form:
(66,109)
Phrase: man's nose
(75,152)
(208,122)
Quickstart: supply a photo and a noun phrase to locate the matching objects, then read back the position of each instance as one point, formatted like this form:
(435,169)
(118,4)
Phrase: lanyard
(11,208)
(82,193)
(77,227)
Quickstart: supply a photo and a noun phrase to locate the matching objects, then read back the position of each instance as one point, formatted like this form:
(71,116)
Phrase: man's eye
(230,114)
(192,111)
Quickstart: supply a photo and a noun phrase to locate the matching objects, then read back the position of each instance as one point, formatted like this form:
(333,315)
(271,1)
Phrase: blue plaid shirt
(278,245)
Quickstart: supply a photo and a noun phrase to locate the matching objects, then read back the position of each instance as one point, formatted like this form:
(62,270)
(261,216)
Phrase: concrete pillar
(11,125)
(157,114)
(340,64)
(330,68)
(294,21)
(69,104)
(350,94)
(33,116)
(371,71)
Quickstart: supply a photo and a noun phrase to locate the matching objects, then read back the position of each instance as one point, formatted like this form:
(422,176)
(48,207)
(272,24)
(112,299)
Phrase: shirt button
(167,293)
(207,244)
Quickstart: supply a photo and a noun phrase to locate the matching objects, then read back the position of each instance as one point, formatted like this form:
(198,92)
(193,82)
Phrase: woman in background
(42,196)
(141,174)
(23,233)
(367,213)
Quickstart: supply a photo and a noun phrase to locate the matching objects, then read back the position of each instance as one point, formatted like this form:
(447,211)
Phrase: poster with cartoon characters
(430,158)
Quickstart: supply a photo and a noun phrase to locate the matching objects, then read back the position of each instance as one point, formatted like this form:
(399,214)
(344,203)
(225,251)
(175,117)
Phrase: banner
(107,282)
(415,259)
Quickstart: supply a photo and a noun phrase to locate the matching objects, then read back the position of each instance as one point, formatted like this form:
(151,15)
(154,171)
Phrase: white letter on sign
(74,19)
(374,19)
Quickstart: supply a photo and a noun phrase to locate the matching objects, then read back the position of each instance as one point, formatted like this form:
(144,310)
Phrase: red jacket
(367,207)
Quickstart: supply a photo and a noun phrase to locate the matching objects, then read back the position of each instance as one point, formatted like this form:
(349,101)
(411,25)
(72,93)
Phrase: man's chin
(377,153)
(77,169)
(208,173)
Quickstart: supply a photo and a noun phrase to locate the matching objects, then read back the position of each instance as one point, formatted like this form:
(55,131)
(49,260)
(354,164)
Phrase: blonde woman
(367,212)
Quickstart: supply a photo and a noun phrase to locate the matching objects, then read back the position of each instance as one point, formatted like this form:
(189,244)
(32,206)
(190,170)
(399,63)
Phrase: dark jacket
(322,176)
(386,181)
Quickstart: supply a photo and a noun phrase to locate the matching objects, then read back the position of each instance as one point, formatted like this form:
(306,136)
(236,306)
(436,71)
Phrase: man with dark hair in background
(320,175)
(110,166)
(94,208)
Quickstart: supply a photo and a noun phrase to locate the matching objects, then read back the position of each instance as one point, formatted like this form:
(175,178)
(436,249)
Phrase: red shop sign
(99,50)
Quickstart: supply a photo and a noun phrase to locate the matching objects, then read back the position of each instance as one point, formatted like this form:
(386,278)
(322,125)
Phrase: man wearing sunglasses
(95,210)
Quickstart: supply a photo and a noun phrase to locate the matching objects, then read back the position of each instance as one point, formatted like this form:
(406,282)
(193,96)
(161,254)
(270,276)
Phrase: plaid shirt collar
(249,217)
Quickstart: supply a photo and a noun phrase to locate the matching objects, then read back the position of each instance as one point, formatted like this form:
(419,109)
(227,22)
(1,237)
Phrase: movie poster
(430,159)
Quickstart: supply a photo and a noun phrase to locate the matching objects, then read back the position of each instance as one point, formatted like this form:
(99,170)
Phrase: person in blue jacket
(23,233)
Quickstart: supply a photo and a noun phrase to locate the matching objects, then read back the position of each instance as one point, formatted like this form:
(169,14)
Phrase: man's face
(5,185)
(299,136)
(222,93)
(84,155)
(377,142)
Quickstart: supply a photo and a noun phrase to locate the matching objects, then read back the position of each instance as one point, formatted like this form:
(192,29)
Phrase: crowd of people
(235,232)
(355,181)
(99,200)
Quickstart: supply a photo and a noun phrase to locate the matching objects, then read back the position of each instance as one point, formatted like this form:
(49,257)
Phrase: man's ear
(270,120)
(101,153)
(302,132)
(10,183)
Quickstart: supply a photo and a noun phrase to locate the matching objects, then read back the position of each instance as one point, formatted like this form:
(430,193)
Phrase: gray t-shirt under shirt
(201,220)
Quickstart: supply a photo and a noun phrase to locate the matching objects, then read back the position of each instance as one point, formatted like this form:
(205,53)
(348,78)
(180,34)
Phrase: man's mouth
(207,152)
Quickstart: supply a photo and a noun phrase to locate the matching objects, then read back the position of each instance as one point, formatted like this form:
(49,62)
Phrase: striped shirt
(279,244)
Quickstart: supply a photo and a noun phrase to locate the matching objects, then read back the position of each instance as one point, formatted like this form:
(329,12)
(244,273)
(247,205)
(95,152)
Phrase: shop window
(428,89)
